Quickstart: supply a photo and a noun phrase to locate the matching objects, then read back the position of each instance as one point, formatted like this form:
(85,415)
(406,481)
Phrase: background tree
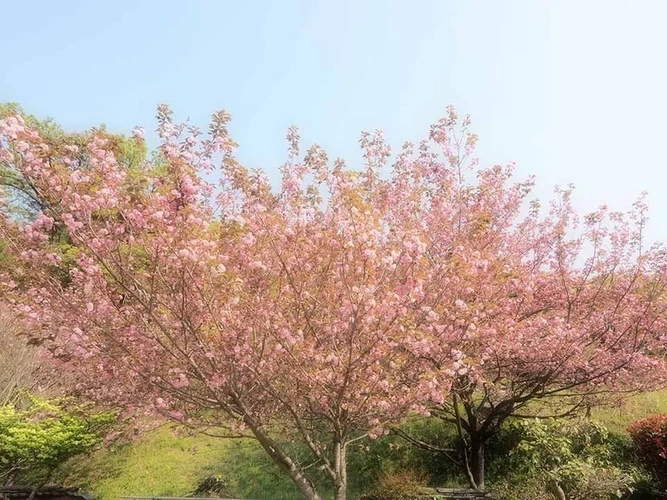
(21,370)
(21,195)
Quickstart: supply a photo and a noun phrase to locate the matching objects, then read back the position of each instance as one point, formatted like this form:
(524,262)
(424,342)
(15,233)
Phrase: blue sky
(572,90)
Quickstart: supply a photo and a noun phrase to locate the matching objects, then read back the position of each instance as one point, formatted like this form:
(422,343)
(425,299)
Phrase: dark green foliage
(371,460)
(167,464)
(214,485)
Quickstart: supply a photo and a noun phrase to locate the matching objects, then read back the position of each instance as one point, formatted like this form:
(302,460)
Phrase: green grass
(635,408)
(161,464)
(165,463)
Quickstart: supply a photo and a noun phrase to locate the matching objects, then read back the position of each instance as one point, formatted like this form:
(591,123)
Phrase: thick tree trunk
(477,461)
(340,469)
(298,477)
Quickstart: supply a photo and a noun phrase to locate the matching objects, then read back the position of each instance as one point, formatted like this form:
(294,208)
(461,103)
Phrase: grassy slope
(161,463)
(165,464)
(637,407)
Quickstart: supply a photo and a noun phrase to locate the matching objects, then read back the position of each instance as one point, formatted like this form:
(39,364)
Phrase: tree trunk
(298,477)
(340,469)
(558,491)
(477,461)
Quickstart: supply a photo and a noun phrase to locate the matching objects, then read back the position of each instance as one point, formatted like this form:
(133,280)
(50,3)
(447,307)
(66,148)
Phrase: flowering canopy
(330,308)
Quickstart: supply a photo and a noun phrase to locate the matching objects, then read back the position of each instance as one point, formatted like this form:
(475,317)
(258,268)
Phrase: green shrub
(580,459)
(39,438)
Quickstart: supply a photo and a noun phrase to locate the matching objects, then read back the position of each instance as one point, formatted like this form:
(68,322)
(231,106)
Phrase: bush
(213,486)
(650,443)
(371,460)
(580,460)
(39,438)
(405,485)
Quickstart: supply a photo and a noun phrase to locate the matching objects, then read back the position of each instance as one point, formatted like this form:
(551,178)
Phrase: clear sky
(572,90)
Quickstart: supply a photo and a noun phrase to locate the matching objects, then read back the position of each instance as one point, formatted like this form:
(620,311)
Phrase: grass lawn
(635,408)
(167,463)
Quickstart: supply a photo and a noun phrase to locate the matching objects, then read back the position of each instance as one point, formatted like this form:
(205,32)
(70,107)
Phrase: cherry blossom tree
(228,307)
(545,313)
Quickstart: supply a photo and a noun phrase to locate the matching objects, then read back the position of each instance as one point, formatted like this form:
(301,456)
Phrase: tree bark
(558,491)
(477,461)
(298,477)
(340,469)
